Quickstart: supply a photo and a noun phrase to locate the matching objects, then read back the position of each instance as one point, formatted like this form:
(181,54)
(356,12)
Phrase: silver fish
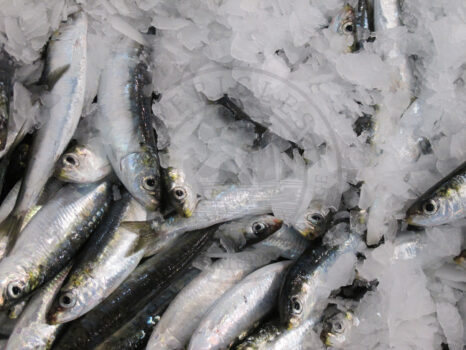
(173,331)
(181,193)
(83,164)
(287,242)
(51,238)
(306,288)
(66,70)
(337,329)
(240,308)
(344,24)
(32,330)
(125,122)
(107,259)
(443,203)
(315,221)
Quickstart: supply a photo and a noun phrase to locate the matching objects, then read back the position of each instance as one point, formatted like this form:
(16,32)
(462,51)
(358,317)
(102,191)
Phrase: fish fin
(55,76)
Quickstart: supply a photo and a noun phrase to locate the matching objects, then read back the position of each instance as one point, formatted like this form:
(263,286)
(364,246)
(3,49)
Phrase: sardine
(181,193)
(310,280)
(240,308)
(32,330)
(107,258)
(337,328)
(443,203)
(83,164)
(135,334)
(66,71)
(344,23)
(141,286)
(125,122)
(315,221)
(260,339)
(51,238)
(6,91)
(287,242)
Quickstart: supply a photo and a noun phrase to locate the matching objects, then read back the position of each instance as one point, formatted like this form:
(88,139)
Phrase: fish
(173,332)
(125,122)
(307,284)
(182,194)
(228,204)
(287,242)
(16,310)
(66,70)
(137,290)
(364,22)
(51,238)
(315,221)
(7,71)
(106,259)
(260,339)
(83,163)
(239,309)
(135,334)
(337,328)
(32,330)
(240,233)
(344,23)
(443,203)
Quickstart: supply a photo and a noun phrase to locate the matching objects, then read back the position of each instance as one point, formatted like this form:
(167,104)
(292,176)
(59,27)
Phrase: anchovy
(173,331)
(443,203)
(32,331)
(107,258)
(66,71)
(141,286)
(239,309)
(311,279)
(125,122)
(83,164)
(51,238)
(135,334)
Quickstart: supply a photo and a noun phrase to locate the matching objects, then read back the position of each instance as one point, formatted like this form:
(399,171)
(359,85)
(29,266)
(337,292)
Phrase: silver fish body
(287,242)
(231,204)
(309,282)
(125,122)
(32,330)
(83,164)
(240,308)
(67,62)
(443,203)
(106,260)
(51,238)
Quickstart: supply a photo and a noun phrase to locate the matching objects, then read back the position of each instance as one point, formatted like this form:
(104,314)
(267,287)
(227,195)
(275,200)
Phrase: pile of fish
(108,242)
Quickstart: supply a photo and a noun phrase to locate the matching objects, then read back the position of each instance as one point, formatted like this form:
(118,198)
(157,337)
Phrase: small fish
(125,122)
(337,328)
(140,287)
(260,339)
(83,164)
(364,22)
(66,73)
(50,239)
(6,91)
(239,309)
(135,334)
(443,203)
(315,221)
(309,282)
(287,242)
(32,331)
(107,258)
(181,193)
(344,23)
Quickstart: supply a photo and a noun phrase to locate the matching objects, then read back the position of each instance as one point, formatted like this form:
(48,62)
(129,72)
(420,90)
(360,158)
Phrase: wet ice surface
(293,74)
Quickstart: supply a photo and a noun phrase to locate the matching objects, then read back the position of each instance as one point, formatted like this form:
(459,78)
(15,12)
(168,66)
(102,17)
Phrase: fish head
(344,23)
(15,282)
(181,193)
(315,221)
(66,307)
(81,165)
(139,172)
(259,227)
(336,329)
(438,208)
(294,312)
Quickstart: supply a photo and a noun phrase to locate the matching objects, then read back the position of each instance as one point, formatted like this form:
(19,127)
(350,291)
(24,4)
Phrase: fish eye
(179,193)
(315,218)
(348,27)
(258,227)
(296,307)
(67,300)
(70,160)
(15,289)
(148,183)
(337,327)
(430,207)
